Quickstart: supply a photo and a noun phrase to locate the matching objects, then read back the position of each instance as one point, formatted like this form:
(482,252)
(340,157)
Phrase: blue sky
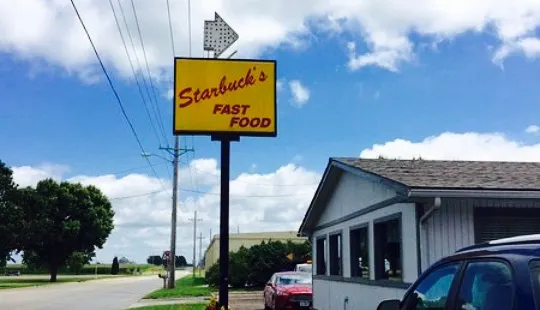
(423,85)
(52,117)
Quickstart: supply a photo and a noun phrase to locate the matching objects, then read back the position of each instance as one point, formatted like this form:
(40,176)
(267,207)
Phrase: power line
(148,71)
(136,168)
(157,116)
(158,119)
(133,70)
(206,193)
(135,196)
(170,28)
(118,100)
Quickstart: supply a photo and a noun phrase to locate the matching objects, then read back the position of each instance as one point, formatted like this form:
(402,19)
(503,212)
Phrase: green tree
(77,260)
(115,268)
(301,251)
(180,261)
(10,216)
(63,218)
(155,260)
(239,268)
(266,259)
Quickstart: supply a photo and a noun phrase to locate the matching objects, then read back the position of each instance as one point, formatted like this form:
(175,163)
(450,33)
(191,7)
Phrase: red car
(288,290)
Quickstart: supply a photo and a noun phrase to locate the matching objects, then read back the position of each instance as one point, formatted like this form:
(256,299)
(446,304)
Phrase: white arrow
(218,35)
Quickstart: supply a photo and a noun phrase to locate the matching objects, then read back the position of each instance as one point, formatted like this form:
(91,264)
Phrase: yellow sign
(225,96)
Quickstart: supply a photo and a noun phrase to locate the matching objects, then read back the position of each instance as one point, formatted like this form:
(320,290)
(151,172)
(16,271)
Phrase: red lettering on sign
(262,76)
(255,122)
(183,95)
(188,96)
(234,109)
(244,108)
(266,122)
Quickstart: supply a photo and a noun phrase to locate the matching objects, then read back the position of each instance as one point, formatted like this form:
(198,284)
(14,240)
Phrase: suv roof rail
(523,239)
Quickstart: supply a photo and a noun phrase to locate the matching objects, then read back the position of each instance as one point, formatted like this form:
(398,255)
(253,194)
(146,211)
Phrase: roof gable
(407,175)
(331,176)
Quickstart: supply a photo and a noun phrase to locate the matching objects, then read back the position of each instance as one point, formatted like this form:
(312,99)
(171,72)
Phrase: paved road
(106,294)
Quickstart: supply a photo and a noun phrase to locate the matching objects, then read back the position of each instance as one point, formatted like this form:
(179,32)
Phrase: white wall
(329,295)
(352,194)
(452,226)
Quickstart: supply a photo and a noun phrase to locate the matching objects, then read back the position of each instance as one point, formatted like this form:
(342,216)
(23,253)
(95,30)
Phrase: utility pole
(195,220)
(176,152)
(200,249)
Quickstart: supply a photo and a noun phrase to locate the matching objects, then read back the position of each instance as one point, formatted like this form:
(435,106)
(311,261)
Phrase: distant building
(247,240)
(124,260)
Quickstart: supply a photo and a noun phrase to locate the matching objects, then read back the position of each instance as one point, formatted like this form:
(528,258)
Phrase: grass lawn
(174,307)
(16,283)
(185,287)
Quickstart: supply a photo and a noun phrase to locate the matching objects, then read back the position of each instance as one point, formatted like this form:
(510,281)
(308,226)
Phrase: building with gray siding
(376,224)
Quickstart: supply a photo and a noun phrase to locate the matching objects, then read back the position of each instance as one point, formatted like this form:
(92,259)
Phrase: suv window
(486,285)
(432,291)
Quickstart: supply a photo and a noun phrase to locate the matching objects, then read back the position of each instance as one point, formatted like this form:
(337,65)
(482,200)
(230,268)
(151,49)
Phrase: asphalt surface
(103,294)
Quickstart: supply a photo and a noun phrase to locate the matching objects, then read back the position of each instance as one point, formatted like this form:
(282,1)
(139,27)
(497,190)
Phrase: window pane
(359,252)
(486,285)
(321,256)
(335,255)
(388,250)
(432,292)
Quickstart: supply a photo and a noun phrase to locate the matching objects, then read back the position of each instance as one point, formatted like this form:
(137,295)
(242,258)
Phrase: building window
(321,256)
(336,265)
(388,260)
(359,252)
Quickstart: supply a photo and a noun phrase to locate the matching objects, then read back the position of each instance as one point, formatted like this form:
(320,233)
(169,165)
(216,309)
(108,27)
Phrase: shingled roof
(453,174)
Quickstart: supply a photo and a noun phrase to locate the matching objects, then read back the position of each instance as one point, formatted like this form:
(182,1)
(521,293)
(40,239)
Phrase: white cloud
(30,176)
(37,31)
(533,129)
(457,146)
(529,46)
(259,202)
(279,84)
(299,92)
(386,53)
(169,94)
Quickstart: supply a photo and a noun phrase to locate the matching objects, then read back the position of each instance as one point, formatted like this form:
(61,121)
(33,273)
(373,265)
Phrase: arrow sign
(218,35)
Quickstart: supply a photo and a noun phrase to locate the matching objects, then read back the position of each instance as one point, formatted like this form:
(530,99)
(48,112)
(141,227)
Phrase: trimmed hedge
(102,269)
(255,266)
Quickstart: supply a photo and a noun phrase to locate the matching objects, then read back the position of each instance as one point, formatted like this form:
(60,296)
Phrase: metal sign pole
(224,219)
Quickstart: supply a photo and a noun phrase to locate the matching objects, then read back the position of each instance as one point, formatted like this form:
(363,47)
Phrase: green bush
(239,268)
(100,269)
(255,266)
(211,276)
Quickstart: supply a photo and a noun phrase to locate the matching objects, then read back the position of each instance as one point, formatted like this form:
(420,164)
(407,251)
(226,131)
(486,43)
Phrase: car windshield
(294,279)
(305,268)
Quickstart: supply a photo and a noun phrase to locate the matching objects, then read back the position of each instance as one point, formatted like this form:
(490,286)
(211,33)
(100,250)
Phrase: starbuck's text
(189,96)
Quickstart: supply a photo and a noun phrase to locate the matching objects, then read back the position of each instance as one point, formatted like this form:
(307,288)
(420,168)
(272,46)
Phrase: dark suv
(499,275)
